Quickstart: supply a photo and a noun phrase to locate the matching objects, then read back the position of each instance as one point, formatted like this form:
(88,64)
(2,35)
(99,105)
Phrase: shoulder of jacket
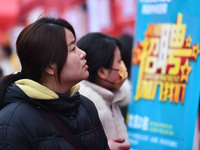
(92,95)
(13,111)
(97,99)
(87,102)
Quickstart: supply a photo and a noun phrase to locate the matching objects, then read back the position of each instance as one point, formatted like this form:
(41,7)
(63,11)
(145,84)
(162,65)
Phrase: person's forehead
(69,36)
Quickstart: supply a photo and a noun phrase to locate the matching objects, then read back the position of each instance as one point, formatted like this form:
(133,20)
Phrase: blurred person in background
(126,41)
(107,85)
(42,101)
(5,60)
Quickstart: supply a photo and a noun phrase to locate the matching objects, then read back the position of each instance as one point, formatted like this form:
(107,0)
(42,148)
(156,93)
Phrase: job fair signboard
(165,75)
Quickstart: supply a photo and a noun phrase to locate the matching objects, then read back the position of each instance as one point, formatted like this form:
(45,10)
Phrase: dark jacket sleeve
(93,114)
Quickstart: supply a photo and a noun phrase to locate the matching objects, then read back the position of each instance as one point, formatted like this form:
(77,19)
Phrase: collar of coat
(37,91)
(97,93)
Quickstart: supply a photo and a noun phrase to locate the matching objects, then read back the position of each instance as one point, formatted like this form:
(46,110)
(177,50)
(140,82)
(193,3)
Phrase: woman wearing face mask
(107,86)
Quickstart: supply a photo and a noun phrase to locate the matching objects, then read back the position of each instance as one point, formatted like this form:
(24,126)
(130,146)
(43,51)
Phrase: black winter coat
(22,127)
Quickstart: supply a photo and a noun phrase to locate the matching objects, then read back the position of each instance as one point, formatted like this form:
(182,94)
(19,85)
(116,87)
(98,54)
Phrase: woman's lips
(85,65)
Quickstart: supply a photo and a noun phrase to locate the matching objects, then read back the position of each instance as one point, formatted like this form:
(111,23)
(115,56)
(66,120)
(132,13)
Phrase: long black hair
(38,45)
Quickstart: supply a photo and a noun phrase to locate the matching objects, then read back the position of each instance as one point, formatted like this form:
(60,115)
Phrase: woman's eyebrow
(72,42)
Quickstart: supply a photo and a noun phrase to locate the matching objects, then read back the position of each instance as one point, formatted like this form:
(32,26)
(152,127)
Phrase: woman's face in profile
(113,74)
(75,68)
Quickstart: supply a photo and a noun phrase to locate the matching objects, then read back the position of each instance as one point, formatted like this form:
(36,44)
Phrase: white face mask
(122,71)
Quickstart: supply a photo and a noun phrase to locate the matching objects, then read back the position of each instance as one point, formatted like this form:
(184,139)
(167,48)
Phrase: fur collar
(101,95)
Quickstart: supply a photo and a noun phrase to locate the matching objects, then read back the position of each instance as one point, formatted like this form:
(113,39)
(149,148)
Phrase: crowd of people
(68,93)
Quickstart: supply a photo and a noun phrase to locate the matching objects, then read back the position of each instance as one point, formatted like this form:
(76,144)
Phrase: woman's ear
(51,69)
(103,73)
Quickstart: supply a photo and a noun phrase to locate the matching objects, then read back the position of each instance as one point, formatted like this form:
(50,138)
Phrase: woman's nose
(82,54)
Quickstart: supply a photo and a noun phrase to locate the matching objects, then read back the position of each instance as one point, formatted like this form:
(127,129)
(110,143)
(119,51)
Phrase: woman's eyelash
(74,49)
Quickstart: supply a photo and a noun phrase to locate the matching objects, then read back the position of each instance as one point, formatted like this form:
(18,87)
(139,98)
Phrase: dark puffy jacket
(22,127)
